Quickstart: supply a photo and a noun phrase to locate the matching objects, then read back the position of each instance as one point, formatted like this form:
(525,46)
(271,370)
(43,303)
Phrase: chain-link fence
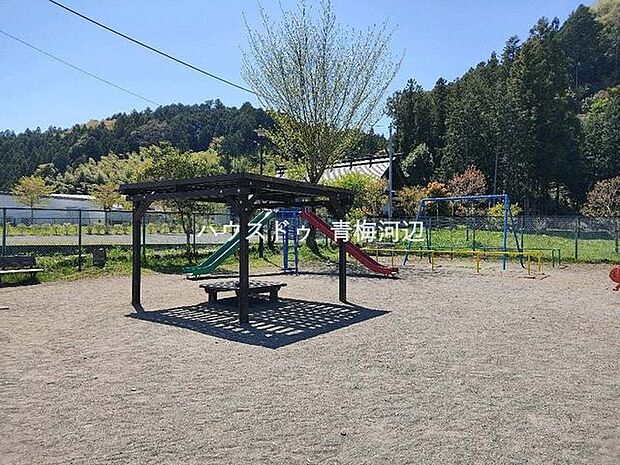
(576,238)
(73,234)
(45,232)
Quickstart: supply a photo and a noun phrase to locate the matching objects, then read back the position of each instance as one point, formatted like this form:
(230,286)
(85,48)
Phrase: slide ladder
(353,250)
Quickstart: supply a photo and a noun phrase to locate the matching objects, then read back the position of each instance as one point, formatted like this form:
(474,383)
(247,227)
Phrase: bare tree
(321,82)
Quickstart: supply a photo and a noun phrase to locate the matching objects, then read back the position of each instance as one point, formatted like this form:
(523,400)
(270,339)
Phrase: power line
(83,71)
(152,49)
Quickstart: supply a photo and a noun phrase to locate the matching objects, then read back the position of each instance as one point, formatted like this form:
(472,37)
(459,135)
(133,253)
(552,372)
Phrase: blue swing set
(508,220)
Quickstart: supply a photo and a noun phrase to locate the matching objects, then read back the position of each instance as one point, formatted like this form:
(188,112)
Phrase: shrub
(408,198)
(370,193)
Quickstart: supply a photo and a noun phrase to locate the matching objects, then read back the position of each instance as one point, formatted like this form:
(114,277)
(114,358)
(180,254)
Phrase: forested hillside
(187,127)
(541,119)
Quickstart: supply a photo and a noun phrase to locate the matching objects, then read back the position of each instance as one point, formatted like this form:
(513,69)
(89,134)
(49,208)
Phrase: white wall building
(55,209)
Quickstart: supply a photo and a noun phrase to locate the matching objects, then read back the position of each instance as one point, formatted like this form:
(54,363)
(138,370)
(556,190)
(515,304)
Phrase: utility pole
(391,174)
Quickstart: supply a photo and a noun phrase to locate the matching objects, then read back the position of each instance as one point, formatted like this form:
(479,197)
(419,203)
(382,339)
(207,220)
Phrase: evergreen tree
(581,41)
(601,126)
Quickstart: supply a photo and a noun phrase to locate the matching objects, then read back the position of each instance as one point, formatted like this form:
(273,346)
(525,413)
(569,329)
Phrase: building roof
(377,167)
(72,196)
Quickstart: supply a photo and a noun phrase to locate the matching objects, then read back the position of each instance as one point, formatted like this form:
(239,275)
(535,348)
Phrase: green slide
(229,247)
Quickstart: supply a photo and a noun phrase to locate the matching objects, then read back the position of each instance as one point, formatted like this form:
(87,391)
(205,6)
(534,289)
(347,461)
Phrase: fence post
(617,235)
(4,231)
(577,238)
(80,240)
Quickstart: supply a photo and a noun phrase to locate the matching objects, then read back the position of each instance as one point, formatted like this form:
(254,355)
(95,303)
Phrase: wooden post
(342,271)
(144,239)
(244,259)
(136,270)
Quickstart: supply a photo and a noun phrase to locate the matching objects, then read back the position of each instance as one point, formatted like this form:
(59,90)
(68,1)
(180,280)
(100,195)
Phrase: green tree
(31,191)
(471,122)
(608,14)
(495,214)
(601,127)
(581,41)
(320,81)
(538,90)
(167,162)
(411,111)
(439,108)
(370,194)
(418,166)
(107,195)
(322,84)
(408,199)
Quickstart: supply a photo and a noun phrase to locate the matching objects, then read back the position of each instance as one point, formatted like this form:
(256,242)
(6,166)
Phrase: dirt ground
(443,367)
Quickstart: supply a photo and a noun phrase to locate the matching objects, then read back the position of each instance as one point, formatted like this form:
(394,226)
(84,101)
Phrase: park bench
(18,264)
(256,287)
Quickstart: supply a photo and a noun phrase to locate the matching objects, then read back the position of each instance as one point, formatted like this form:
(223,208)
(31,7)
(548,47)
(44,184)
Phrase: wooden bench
(19,264)
(256,287)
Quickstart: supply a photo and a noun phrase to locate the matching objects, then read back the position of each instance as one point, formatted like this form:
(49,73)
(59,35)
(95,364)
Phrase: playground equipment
(353,250)
(508,221)
(614,275)
(229,247)
(289,226)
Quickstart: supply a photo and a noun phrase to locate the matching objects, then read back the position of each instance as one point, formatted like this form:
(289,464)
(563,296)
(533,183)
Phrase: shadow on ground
(272,324)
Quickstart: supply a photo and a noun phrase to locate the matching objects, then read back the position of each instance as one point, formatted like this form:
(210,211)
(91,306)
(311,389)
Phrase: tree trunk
(188,246)
(271,238)
(186,223)
(311,239)
(311,242)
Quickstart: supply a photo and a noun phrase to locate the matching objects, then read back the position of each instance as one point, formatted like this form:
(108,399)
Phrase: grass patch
(589,250)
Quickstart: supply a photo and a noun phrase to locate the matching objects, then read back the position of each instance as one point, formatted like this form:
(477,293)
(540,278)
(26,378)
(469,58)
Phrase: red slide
(352,249)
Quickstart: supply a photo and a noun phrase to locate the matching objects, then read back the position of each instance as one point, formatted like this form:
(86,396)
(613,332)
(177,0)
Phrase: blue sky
(439,38)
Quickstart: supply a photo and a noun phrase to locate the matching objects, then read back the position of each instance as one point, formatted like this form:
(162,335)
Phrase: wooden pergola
(244,193)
